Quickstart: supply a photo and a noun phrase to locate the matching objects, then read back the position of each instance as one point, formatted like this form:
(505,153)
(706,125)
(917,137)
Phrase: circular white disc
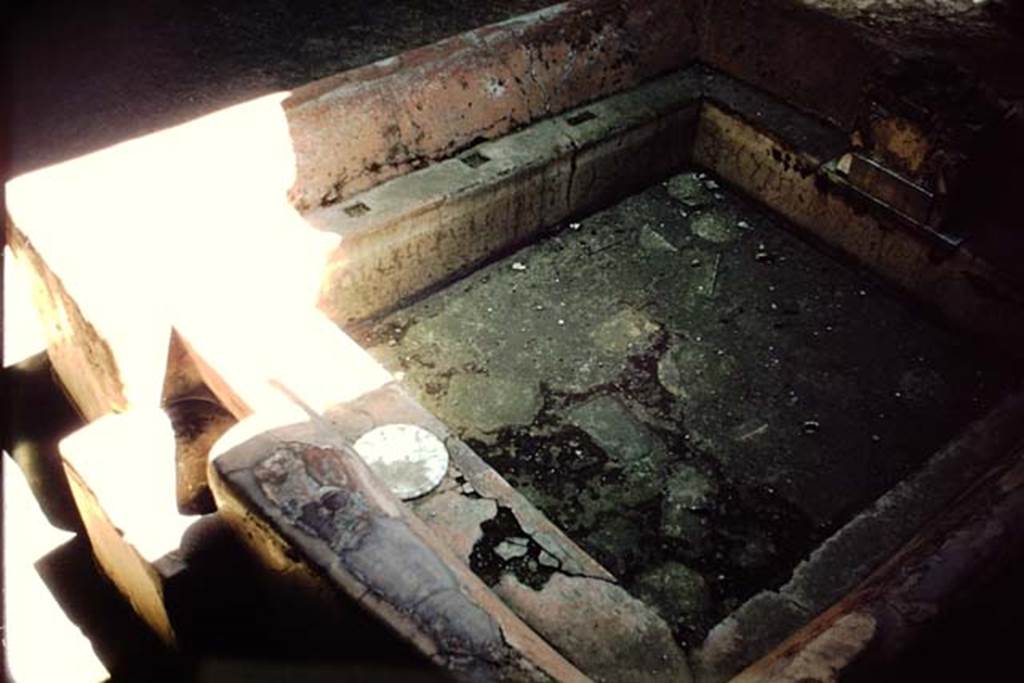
(409,459)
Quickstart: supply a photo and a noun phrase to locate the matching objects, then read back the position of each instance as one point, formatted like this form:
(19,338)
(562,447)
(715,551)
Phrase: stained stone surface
(491,402)
(693,393)
(681,591)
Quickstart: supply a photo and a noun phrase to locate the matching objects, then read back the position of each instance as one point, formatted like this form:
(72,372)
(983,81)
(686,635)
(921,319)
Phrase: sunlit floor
(694,394)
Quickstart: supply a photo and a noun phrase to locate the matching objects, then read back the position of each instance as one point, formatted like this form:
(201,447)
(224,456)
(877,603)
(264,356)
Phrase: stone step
(361,127)
(424,228)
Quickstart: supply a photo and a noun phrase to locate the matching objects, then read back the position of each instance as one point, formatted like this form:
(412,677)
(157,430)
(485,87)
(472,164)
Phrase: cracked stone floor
(697,396)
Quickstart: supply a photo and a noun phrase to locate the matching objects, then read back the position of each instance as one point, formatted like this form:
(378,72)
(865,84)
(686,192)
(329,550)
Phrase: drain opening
(582,117)
(357,209)
(474,160)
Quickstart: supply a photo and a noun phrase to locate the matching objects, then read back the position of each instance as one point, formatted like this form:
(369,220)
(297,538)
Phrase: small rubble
(490,402)
(680,593)
(714,227)
(546,559)
(511,548)
(653,240)
(688,189)
(690,489)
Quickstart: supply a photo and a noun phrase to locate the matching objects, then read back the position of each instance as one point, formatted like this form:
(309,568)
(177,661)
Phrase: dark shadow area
(225,607)
(234,620)
(82,76)
(975,640)
(37,416)
(121,640)
(232,624)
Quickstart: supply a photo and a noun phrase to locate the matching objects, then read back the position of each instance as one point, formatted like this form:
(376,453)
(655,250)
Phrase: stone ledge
(426,227)
(959,287)
(359,128)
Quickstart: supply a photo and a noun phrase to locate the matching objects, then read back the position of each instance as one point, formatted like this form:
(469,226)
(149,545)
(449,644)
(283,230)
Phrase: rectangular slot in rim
(580,118)
(356,210)
(474,159)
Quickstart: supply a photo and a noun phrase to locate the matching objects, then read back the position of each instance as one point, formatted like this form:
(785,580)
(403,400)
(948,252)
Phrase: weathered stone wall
(361,127)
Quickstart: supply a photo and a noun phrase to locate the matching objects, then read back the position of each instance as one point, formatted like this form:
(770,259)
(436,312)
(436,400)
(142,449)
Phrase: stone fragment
(652,240)
(688,495)
(546,559)
(628,331)
(613,427)
(685,526)
(511,548)
(713,227)
(688,189)
(599,613)
(455,518)
(490,403)
(692,370)
(690,489)
(680,592)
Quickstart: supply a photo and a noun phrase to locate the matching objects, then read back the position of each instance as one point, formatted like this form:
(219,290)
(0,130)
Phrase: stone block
(357,129)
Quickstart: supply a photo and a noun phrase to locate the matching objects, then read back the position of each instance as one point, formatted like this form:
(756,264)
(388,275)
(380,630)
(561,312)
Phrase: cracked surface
(694,395)
(311,487)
